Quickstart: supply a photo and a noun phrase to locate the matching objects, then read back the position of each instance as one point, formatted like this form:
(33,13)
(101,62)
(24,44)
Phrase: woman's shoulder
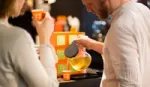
(19,32)
(12,36)
(15,33)
(10,31)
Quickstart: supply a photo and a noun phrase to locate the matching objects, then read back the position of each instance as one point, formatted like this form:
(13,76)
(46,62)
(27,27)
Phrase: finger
(79,36)
(81,46)
(35,22)
(78,41)
(48,16)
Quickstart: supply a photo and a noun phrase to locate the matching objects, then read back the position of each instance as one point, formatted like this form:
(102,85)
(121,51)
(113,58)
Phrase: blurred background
(69,15)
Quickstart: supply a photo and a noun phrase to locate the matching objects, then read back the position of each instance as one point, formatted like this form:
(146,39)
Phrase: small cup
(66,75)
(38,14)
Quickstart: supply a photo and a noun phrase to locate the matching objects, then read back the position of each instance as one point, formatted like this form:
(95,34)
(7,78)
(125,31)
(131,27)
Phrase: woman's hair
(26,7)
(7,8)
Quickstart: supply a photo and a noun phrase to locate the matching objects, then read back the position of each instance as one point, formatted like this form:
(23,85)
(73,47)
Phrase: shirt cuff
(48,55)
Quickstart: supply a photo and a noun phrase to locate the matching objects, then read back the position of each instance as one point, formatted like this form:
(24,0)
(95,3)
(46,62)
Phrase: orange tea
(38,14)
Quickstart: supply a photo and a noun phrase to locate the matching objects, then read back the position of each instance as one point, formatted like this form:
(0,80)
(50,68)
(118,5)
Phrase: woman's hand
(44,28)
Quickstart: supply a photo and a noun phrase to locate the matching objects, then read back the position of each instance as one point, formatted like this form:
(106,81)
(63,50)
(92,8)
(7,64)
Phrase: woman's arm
(28,65)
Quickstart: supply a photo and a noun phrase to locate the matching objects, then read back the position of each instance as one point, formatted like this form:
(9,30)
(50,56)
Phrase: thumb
(35,22)
(49,17)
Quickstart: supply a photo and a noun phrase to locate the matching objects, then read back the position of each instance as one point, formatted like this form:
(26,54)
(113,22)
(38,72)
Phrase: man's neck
(115,4)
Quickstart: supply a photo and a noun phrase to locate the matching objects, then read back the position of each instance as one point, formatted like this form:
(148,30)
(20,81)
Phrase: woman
(19,64)
(24,20)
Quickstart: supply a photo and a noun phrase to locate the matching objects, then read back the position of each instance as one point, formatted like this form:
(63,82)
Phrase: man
(145,2)
(127,44)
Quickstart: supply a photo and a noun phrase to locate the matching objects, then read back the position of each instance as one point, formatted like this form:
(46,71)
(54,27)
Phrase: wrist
(44,40)
(91,44)
(97,46)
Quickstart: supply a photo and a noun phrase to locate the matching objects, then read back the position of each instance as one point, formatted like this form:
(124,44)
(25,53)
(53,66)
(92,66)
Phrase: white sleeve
(124,55)
(48,59)
(28,65)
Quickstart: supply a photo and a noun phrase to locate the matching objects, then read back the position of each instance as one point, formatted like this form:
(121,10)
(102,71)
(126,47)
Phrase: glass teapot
(79,58)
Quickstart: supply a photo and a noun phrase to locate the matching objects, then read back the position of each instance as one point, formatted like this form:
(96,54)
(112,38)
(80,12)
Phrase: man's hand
(90,44)
(84,41)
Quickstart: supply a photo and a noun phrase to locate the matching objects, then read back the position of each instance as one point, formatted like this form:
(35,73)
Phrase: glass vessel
(81,61)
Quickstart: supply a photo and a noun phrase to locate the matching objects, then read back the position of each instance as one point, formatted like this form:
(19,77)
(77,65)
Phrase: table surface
(92,82)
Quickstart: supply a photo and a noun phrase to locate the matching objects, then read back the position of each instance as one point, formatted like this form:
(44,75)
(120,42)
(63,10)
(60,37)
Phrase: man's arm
(97,46)
(90,44)
(125,58)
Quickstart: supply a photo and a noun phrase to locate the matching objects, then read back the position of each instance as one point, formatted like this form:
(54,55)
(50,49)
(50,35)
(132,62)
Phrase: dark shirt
(25,22)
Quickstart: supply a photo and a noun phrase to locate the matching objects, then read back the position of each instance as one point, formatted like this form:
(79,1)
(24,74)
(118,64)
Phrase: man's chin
(102,17)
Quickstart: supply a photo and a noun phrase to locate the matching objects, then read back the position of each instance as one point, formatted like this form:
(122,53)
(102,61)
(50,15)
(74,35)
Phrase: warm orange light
(66,75)
(38,14)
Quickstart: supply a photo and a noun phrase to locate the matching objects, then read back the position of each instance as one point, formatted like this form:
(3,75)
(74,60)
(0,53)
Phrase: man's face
(97,7)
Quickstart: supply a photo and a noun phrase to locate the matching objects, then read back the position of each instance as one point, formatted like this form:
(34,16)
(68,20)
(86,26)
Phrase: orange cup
(66,75)
(38,14)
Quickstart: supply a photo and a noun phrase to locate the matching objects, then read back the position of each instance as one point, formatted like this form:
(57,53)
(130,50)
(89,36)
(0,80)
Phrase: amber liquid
(80,63)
